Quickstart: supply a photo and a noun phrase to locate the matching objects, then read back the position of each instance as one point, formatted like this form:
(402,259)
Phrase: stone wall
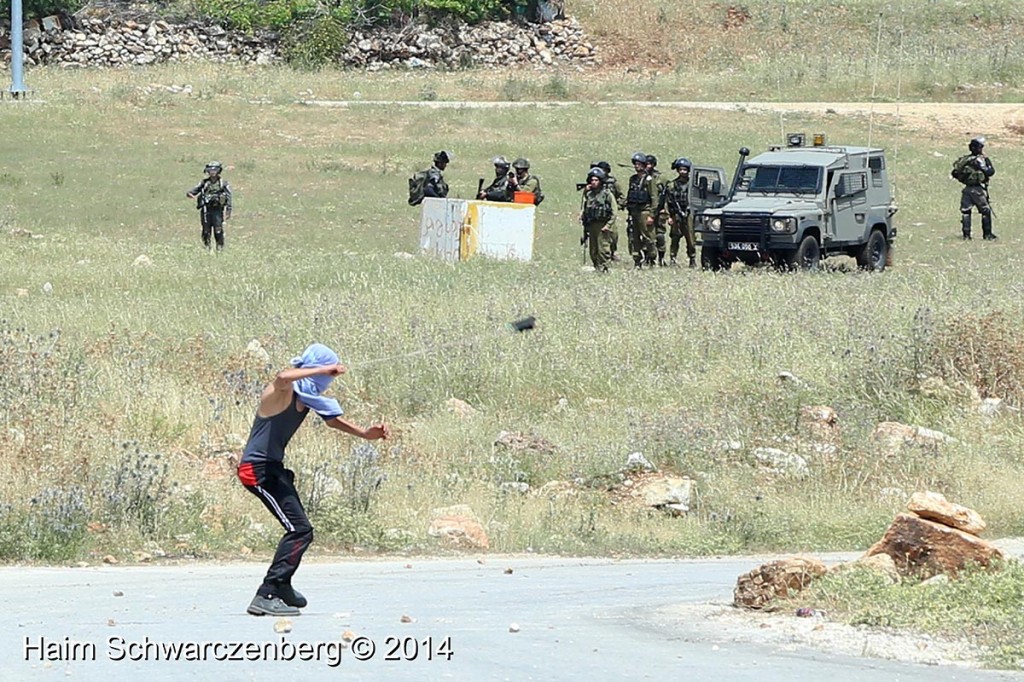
(95,42)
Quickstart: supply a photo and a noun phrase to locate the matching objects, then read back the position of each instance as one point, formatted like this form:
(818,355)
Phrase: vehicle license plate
(743,246)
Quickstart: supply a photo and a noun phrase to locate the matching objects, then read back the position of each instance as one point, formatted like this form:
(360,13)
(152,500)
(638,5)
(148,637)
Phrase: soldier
(435,185)
(677,201)
(597,211)
(620,201)
(498,189)
(974,170)
(642,202)
(661,214)
(213,199)
(522,181)
(430,182)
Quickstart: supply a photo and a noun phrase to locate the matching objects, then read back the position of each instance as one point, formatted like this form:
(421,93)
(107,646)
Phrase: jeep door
(708,187)
(848,197)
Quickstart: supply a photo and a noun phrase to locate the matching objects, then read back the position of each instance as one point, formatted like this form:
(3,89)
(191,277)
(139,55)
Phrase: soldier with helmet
(522,181)
(974,170)
(435,185)
(620,201)
(677,202)
(642,203)
(213,199)
(596,214)
(498,190)
(661,214)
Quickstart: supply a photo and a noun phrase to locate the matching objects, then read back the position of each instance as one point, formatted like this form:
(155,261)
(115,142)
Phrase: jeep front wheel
(873,255)
(807,256)
(711,258)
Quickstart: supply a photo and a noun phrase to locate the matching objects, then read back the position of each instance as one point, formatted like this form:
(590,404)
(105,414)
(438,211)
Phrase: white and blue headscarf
(310,388)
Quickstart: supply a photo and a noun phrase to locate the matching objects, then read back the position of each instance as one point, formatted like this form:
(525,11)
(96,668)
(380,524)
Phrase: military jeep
(794,205)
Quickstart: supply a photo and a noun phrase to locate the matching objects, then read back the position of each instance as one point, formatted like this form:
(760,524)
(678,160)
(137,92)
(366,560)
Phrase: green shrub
(312,43)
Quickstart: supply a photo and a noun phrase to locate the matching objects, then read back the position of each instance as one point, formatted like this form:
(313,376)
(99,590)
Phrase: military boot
(693,261)
(986,228)
(965,225)
(291,596)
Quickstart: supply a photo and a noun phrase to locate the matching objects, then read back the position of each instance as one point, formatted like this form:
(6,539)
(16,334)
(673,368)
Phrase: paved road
(591,620)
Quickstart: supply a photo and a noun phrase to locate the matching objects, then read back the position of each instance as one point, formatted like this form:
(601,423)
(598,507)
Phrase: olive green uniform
(612,185)
(642,202)
(531,183)
(661,216)
(598,212)
(677,203)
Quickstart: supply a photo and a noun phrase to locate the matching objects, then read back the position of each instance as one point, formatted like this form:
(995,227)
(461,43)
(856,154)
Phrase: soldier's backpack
(417,185)
(964,170)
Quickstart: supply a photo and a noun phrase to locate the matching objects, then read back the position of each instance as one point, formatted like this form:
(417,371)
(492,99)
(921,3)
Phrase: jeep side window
(876,164)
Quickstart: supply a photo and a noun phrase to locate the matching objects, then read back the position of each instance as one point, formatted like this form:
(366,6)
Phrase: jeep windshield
(781,179)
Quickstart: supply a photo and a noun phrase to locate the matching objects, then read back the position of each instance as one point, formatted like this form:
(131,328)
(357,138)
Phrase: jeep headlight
(714,223)
(783,224)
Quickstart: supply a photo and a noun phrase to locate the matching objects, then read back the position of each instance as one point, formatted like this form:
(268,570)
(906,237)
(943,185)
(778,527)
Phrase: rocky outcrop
(112,42)
(924,548)
(935,507)
(498,44)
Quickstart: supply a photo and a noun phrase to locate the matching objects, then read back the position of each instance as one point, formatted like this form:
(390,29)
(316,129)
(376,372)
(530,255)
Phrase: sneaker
(291,596)
(262,606)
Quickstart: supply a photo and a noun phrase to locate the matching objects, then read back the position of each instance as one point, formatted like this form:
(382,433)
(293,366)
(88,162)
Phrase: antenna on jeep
(899,119)
(874,79)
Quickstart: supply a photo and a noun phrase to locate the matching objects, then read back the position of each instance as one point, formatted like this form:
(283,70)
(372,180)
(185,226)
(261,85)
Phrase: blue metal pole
(17,50)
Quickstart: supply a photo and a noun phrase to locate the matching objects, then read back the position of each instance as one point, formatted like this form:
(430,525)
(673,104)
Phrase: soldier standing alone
(974,170)
(213,199)
(641,202)
(597,212)
(677,201)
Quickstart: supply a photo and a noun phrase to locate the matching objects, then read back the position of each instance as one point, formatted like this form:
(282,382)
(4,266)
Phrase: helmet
(681,162)
(977,142)
(213,166)
(603,165)
(597,173)
(651,159)
(638,157)
(521,164)
(500,161)
(443,156)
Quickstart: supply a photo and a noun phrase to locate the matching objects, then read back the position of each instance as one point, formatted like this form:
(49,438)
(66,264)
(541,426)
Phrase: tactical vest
(597,207)
(213,194)
(677,196)
(639,191)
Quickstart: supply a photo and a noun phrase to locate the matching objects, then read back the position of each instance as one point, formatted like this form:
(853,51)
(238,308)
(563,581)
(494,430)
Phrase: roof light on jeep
(796,140)
(819,139)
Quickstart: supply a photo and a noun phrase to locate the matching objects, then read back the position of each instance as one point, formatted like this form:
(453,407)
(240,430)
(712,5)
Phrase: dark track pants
(275,486)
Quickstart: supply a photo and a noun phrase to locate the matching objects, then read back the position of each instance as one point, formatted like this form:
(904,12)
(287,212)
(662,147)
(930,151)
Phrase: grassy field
(130,373)
(125,386)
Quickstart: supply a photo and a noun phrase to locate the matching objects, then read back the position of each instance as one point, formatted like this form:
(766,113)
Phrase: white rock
(142,261)
(47,288)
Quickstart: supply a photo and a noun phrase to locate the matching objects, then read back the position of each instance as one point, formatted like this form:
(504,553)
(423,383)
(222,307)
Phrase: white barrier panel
(458,229)
(441,225)
(506,230)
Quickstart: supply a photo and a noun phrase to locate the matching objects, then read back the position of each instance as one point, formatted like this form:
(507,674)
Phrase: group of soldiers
(654,205)
(509,178)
